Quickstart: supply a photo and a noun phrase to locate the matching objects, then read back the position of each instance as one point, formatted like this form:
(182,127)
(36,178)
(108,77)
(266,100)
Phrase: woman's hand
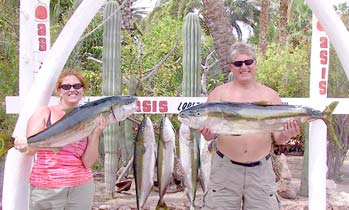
(101,122)
(21,144)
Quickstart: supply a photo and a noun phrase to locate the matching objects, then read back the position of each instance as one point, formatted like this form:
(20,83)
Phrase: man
(242,173)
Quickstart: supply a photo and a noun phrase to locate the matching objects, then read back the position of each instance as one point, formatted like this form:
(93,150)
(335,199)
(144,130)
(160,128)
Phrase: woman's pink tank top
(61,169)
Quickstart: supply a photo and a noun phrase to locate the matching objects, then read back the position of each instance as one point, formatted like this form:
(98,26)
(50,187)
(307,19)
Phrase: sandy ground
(338,196)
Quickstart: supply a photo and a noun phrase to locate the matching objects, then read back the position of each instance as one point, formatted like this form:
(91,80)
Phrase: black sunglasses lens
(77,86)
(66,87)
(248,62)
(238,63)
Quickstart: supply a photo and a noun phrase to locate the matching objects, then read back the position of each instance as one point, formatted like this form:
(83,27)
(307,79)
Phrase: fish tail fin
(161,206)
(327,117)
(6,142)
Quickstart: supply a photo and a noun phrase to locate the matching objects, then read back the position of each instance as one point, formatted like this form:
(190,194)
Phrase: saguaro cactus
(112,85)
(191,56)
(191,87)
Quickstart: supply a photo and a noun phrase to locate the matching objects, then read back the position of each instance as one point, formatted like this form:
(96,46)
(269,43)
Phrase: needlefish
(165,159)
(78,123)
(190,161)
(144,161)
(229,118)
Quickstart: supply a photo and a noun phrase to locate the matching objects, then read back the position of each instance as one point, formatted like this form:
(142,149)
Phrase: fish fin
(161,206)
(262,103)
(6,142)
(67,111)
(327,117)
(144,149)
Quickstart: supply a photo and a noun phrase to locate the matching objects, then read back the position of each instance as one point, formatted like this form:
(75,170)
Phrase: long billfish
(144,161)
(248,118)
(80,121)
(165,159)
(190,160)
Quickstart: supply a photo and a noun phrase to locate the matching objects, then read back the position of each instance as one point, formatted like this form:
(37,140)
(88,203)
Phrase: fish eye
(198,114)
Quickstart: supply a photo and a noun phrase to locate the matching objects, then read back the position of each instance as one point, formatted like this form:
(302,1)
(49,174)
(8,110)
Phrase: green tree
(286,70)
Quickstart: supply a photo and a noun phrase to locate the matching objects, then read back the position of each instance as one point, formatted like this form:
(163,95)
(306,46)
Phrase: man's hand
(207,134)
(291,129)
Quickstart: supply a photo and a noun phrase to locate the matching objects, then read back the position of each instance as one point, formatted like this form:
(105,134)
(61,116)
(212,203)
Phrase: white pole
(26,45)
(319,64)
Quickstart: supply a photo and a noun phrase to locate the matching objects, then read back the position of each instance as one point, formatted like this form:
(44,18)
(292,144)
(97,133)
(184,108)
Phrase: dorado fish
(165,158)
(190,160)
(229,118)
(144,161)
(80,122)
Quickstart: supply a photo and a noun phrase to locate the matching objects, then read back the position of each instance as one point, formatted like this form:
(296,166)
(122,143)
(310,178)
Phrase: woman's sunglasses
(76,86)
(246,62)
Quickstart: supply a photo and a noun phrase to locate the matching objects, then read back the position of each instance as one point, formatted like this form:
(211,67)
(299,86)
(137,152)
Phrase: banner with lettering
(319,62)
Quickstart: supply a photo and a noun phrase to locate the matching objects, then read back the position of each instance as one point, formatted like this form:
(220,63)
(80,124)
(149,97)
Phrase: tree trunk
(221,31)
(126,11)
(283,22)
(264,16)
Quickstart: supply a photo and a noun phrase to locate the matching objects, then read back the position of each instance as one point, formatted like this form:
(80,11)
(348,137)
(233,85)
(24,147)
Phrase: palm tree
(283,22)
(245,12)
(263,25)
(221,31)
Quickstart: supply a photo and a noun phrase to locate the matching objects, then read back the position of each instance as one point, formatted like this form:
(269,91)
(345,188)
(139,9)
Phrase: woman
(63,179)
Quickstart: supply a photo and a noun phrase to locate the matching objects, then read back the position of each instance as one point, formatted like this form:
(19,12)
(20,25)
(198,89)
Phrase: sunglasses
(76,86)
(246,62)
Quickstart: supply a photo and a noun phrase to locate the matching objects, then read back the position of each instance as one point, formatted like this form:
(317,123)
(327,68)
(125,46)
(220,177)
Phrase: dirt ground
(337,195)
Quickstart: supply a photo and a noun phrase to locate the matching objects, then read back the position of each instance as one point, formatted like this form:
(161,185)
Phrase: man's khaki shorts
(236,187)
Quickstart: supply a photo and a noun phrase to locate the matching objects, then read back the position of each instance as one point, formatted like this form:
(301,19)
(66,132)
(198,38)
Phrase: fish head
(167,130)
(194,117)
(123,106)
(148,130)
(145,131)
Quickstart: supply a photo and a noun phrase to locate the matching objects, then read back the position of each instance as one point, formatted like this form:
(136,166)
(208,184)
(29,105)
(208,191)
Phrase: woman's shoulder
(43,110)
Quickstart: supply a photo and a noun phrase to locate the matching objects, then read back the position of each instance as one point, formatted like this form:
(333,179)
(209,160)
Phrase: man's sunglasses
(246,62)
(76,86)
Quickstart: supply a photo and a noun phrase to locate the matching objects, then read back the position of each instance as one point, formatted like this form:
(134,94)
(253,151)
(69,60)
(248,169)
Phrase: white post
(26,45)
(318,132)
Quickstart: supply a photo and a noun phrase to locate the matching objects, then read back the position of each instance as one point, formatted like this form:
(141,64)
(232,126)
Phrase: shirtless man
(242,173)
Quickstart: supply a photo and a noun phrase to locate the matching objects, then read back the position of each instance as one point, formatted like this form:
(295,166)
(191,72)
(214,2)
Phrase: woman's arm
(36,123)
(91,154)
